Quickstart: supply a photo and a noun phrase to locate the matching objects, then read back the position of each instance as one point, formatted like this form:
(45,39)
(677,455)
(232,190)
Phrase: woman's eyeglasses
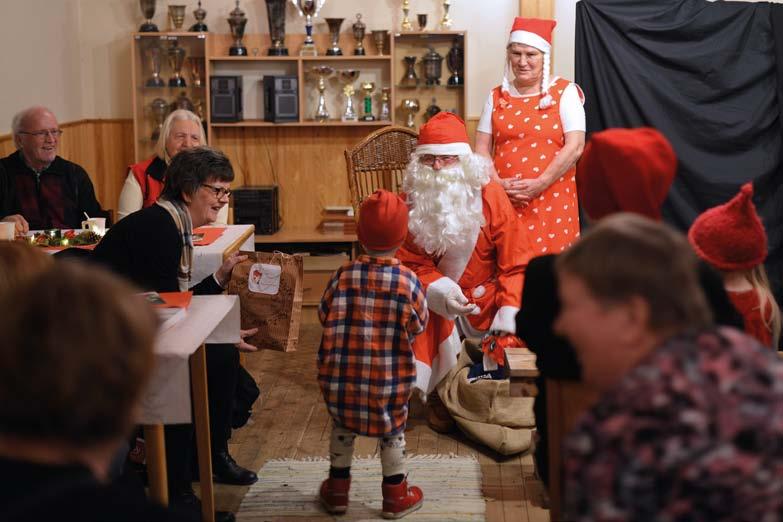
(219,192)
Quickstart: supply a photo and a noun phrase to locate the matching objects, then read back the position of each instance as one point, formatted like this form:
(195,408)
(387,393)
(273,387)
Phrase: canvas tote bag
(269,286)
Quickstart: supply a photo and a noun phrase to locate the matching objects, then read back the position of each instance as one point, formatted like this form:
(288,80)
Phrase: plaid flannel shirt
(371,310)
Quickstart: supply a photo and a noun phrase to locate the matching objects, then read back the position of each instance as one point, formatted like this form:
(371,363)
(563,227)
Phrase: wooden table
(181,376)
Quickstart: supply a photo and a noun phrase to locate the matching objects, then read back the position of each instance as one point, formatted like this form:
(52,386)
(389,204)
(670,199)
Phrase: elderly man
(39,189)
(465,244)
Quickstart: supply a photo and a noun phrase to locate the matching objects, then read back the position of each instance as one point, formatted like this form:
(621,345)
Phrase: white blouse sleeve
(572,112)
(131,198)
(485,122)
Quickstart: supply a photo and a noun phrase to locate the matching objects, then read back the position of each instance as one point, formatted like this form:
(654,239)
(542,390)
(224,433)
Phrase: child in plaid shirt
(371,310)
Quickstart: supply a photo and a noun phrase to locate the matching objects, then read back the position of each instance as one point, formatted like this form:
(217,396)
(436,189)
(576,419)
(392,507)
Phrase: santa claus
(465,244)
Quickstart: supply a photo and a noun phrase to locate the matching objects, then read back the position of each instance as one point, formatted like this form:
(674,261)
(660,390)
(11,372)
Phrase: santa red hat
(535,32)
(731,236)
(625,170)
(443,134)
(383,221)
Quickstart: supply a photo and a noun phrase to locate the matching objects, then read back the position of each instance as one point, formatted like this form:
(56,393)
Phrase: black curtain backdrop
(709,76)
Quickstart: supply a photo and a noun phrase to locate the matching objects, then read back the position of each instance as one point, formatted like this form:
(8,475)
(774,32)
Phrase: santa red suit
(465,244)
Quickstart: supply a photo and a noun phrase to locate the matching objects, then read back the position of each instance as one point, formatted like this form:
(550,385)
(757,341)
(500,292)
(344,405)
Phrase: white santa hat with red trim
(535,32)
(444,134)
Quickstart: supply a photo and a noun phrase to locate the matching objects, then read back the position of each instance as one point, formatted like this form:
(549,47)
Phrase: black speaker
(257,205)
(281,98)
(226,98)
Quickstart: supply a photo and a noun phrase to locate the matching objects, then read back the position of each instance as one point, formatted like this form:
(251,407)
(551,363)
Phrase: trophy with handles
(322,72)
(309,9)
(347,77)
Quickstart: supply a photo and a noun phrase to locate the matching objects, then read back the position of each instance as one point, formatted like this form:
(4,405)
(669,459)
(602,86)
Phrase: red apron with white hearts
(526,140)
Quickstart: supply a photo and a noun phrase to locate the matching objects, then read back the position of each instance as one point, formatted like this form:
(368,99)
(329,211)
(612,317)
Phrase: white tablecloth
(209,319)
(207,259)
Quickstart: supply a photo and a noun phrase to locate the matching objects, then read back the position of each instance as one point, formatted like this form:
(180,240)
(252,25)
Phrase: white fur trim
(444,149)
(437,292)
(428,378)
(531,39)
(505,320)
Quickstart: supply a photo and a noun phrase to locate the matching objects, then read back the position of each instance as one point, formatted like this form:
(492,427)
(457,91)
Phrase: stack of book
(337,219)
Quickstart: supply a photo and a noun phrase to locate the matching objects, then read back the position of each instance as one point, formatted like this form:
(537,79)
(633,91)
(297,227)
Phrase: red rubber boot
(399,499)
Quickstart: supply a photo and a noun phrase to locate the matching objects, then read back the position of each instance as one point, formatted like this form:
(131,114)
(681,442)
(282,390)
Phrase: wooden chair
(378,162)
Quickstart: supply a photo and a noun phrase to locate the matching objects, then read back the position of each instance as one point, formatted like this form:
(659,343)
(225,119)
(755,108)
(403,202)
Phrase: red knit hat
(730,236)
(383,221)
(445,134)
(625,170)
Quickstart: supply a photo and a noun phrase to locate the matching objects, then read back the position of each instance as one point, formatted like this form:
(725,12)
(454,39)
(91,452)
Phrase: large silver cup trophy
(275,10)
(321,72)
(154,53)
(334,32)
(148,10)
(309,9)
(237,22)
(347,77)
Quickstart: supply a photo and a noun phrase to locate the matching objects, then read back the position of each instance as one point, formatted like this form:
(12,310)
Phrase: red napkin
(175,299)
(211,234)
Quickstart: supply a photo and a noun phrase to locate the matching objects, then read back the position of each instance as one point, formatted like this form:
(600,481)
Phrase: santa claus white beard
(446,207)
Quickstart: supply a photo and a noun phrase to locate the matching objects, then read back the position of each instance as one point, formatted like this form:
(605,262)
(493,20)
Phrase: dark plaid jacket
(58,199)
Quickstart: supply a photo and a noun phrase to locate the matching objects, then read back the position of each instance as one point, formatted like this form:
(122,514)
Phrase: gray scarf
(181,218)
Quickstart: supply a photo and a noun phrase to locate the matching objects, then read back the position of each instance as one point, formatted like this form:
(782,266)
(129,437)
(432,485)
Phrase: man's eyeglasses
(54,133)
(430,159)
(219,192)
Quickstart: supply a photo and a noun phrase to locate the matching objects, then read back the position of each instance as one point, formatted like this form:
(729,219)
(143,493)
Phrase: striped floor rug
(287,490)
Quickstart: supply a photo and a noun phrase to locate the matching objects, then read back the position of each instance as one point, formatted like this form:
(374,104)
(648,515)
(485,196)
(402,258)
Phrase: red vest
(150,175)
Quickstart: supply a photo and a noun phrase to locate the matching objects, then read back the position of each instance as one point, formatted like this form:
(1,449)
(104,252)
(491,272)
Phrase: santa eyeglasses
(430,159)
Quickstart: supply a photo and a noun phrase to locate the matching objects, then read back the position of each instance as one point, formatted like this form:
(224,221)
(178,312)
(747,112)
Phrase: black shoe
(226,471)
(187,504)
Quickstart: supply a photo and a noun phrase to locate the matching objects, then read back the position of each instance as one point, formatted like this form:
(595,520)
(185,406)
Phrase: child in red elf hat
(372,309)
(731,238)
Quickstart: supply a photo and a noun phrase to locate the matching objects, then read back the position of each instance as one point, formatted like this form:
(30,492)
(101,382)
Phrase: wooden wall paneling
(307,164)
(537,8)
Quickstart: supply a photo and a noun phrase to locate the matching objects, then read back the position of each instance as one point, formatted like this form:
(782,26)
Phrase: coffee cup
(7,230)
(97,225)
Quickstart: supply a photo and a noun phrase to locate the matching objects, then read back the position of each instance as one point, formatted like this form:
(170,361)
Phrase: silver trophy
(358,28)
(309,9)
(347,77)
(154,53)
(148,10)
(275,10)
(199,14)
(158,109)
(237,21)
(321,72)
(334,31)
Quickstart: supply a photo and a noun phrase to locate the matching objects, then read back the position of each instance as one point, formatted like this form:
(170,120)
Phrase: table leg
(155,445)
(198,382)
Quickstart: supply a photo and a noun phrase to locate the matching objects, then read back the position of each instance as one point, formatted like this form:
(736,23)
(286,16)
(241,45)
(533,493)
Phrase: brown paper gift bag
(269,286)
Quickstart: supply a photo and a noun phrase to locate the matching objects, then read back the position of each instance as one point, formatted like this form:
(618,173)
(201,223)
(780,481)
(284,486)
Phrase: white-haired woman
(533,127)
(181,130)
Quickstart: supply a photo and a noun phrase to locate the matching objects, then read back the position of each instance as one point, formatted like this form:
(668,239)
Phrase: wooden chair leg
(198,381)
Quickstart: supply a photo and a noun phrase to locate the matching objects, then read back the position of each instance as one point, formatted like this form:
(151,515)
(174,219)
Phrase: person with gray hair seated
(38,188)
(181,130)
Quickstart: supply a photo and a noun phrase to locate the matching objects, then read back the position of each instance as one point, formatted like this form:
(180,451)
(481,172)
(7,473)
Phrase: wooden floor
(290,421)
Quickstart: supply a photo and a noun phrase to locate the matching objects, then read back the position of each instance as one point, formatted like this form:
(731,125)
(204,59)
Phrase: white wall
(76,59)
(40,58)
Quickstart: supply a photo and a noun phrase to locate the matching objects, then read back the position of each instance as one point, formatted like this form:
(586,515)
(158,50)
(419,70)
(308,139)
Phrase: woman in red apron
(534,130)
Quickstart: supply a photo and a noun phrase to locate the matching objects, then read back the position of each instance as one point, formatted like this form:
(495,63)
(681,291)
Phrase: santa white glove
(445,297)
(505,320)
(457,304)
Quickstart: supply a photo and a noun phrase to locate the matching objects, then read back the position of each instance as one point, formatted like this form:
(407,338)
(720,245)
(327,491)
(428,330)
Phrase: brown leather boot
(399,499)
(334,495)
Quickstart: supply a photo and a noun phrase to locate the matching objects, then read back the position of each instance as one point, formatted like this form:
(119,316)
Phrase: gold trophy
(347,77)
(406,24)
(385,113)
(176,55)
(445,22)
(196,69)
(368,88)
(410,106)
(379,37)
(321,72)
(177,16)
(308,9)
